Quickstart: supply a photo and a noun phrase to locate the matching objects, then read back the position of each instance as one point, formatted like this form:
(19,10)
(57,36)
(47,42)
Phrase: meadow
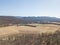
(30,34)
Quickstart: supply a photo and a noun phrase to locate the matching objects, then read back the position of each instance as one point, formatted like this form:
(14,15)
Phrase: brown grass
(41,28)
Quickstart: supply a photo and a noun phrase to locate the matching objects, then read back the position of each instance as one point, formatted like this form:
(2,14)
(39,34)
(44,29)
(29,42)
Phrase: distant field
(40,28)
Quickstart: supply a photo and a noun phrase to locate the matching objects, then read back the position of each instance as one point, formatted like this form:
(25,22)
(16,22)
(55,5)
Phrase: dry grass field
(40,28)
(30,34)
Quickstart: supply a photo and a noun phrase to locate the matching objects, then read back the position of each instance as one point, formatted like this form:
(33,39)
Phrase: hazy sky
(30,7)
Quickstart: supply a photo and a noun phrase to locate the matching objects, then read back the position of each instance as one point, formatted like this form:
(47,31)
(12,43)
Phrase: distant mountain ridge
(26,20)
(41,19)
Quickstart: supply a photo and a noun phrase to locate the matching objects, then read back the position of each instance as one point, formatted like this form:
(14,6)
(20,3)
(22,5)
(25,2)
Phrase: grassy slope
(41,28)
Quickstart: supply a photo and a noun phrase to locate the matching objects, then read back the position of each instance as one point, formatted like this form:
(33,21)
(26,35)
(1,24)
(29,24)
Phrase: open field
(30,34)
(40,28)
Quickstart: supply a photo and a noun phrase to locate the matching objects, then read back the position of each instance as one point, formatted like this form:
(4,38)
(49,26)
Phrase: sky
(30,8)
